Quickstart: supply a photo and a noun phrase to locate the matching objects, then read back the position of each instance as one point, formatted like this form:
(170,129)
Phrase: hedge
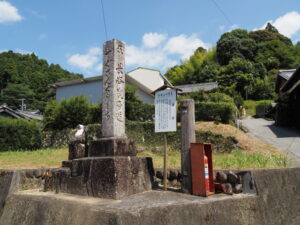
(19,134)
(214,111)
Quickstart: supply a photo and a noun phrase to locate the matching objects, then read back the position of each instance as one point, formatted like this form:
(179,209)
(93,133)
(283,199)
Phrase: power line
(104,20)
(223,13)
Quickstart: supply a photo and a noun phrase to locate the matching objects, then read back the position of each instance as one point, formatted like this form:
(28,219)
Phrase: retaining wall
(277,202)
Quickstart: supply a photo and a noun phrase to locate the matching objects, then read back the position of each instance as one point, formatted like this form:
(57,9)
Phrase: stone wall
(276,203)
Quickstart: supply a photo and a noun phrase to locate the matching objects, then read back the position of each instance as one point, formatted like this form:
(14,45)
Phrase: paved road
(286,139)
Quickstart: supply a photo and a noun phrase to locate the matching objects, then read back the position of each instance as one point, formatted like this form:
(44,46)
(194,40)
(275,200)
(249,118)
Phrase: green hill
(28,77)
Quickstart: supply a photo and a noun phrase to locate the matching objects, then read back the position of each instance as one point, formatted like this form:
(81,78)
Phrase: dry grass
(245,141)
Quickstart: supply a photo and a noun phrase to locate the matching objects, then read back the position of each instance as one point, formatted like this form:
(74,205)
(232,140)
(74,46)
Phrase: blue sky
(158,33)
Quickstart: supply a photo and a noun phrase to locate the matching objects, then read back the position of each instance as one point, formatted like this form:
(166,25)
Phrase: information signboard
(165,110)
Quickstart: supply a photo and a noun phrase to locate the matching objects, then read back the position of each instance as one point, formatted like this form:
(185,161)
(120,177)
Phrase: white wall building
(146,81)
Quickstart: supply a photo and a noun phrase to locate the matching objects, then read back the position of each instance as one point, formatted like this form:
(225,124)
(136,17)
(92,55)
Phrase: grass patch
(234,160)
(250,106)
(247,160)
(43,158)
(51,158)
(254,154)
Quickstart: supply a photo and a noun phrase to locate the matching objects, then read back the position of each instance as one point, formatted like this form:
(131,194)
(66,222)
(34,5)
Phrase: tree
(67,114)
(261,36)
(237,75)
(271,28)
(235,44)
(202,66)
(261,89)
(135,109)
(33,73)
(275,54)
(13,94)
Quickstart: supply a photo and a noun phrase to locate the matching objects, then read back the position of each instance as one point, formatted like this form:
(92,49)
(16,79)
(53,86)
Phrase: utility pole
(23,106)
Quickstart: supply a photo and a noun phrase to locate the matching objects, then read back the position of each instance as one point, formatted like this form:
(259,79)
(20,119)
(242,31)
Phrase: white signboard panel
(165,110)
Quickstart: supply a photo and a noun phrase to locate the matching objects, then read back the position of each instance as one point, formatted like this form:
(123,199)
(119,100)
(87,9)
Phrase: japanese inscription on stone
(113,100)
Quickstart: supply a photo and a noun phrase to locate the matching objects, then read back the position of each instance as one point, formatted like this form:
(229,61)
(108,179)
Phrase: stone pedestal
(76,150)
(111,169)
(112,146)
(105,177)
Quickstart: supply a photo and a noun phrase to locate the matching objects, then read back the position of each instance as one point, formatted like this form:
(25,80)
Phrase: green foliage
(271,28)
(135,109)
(251,105)
(12,94)
(67,114)
(213,111)
(238,74)
(219,97)
(235,44)
(261,89)
(275,54)
(243,63)
(201,67)
(95,115)
(34,74)
(198,96)
(268,34)
(19,134)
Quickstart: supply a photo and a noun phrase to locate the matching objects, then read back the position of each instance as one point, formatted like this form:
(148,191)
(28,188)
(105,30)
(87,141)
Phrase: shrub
(67,114)
(219,97)
(19,134)
(135,109)
(213,111)
(95,115)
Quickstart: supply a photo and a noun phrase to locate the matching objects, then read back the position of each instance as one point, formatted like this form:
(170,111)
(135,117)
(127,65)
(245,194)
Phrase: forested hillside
(28,77)
(243,63)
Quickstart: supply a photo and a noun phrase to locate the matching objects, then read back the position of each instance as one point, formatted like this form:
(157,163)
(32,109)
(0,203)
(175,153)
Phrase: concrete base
(112,146)
(277,203)
(105,177)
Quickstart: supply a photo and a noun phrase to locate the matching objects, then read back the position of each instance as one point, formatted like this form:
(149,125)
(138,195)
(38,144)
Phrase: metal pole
(165,163)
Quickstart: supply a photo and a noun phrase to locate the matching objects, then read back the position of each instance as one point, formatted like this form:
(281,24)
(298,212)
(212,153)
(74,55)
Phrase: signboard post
(165,118)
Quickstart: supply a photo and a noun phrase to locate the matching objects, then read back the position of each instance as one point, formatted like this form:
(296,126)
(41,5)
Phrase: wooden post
(165,163)
(187,111)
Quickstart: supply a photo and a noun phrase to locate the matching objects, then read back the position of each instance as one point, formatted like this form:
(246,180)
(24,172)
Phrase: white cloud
(152,40)
(159,53)
(86,62)
(22,51)
(136,56)
(184,45)
(288,24)
(8,13)
(222,27)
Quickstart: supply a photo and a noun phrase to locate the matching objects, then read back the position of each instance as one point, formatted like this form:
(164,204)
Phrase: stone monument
(112,169)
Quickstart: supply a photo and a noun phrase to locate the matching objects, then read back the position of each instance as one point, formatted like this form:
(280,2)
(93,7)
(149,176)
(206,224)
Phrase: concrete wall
(277,203)
(93,91)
